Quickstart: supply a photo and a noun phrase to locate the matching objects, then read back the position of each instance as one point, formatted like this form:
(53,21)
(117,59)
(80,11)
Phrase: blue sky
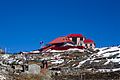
(24,23)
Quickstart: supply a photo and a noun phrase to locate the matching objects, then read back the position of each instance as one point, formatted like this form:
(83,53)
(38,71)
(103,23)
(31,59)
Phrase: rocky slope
(105,60)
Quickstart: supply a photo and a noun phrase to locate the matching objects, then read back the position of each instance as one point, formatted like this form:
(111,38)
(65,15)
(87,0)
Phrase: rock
(34,69)
(2,77)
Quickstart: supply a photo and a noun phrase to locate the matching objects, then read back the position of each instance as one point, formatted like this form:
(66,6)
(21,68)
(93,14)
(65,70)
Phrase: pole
(5,50)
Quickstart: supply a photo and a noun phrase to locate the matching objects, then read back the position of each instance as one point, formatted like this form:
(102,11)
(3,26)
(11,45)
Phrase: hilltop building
(71,41)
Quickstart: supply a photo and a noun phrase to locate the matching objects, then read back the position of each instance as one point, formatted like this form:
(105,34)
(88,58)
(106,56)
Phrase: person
(44,64)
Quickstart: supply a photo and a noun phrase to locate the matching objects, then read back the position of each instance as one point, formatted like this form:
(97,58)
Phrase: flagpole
(41,43)
(5,50)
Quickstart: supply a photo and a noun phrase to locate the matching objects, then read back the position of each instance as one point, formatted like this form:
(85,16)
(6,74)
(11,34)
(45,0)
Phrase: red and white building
(88,43)
(78,39)
(71,41)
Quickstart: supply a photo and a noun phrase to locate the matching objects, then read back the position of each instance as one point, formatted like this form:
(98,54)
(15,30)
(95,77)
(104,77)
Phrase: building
(88,43)
(77,39)
(69,42)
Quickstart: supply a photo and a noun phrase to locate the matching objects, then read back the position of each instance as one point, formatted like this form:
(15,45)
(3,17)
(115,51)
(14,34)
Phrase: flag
(41,42)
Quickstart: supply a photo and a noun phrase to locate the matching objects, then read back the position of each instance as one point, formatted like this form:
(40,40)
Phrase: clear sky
(24,23)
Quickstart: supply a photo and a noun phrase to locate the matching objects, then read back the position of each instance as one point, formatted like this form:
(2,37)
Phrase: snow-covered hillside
(105,60)
(112,54)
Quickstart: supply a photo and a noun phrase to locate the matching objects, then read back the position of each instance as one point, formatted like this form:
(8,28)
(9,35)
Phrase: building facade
(78,39)
(70,41)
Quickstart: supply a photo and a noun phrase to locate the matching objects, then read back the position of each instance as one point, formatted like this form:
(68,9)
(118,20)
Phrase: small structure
(88,43)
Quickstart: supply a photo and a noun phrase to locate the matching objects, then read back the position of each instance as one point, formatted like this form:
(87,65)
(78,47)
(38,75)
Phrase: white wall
(88,45)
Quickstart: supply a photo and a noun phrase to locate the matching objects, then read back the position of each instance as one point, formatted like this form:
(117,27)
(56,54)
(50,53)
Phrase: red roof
(60,40)
(88,41)
(47,48)
(67,47)
(75,35)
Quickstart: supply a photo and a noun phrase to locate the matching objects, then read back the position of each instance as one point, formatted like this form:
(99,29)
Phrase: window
(86,45)
(90,44)
(81,39)
(74,39)
(81,44)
